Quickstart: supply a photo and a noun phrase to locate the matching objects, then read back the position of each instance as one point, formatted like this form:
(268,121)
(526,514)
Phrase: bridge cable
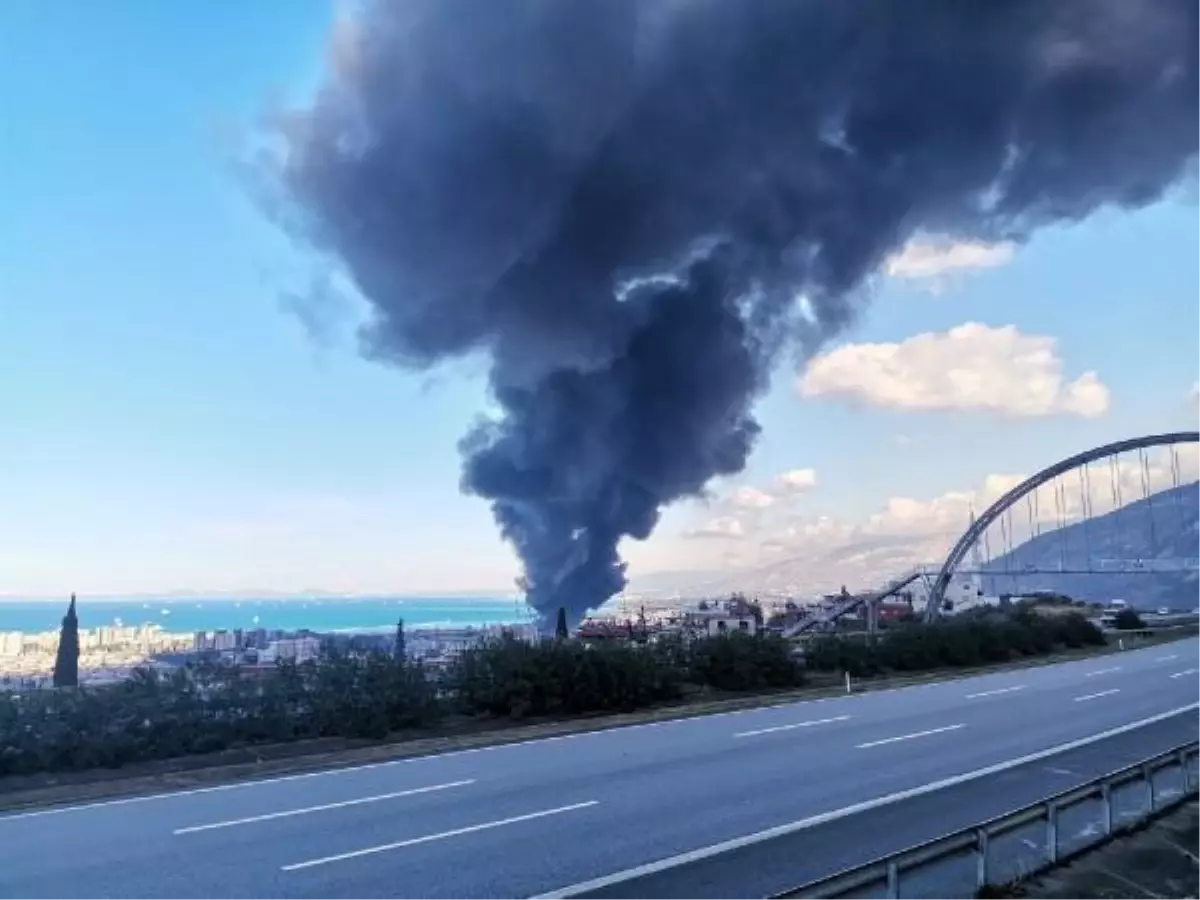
(987,549)
(1032,517)
(1114,474)
(1085,493)
(1144,465)
(1175,489)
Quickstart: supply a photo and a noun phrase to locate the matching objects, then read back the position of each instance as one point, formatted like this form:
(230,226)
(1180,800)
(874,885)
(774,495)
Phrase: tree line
(971,639)
(209,708)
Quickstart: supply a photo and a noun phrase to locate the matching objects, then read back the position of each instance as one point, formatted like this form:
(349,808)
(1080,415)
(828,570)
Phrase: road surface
(578,813)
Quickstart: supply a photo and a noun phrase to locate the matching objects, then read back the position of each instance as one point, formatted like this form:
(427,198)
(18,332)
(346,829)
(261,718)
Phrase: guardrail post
(1185,771)
(981,858)
(1106,815)
(893,880)
(1148,774)
(1052,832)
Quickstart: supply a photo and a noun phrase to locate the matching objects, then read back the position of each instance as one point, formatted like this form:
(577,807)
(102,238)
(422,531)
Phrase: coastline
(345,614)
(121,634)
(110,654)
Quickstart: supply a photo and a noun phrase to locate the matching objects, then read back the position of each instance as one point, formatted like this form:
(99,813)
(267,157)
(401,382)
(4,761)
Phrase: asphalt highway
(650,810)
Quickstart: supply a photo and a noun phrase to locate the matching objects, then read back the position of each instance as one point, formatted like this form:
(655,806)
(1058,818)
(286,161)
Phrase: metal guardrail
(974,857)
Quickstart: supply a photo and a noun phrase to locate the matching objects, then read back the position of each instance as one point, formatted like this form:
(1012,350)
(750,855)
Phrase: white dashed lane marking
(1096,696)
(909,737)
(758,731)
(1007,690)
(358,801)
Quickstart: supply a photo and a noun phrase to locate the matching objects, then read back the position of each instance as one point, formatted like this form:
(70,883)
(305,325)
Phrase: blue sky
(165,425)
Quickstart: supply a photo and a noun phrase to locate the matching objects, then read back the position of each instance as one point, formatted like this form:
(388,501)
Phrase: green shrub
(1128,620)
(741,662)
(208,709)
(516,679)
(843,653)
(972,639)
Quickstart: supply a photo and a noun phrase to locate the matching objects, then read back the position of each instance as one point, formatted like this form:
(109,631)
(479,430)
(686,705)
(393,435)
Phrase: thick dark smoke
(620,203)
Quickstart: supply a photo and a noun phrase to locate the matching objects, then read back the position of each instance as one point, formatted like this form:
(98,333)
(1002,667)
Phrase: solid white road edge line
(442,835)
(358,801)
(1007,690)
(1100,694)
(506,745)
(780,830)
(1185,672)
(758,731)
(909,737)
(1101,672)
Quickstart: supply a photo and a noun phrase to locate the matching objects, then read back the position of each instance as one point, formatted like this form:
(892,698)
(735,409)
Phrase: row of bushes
(966,640)
(207,709)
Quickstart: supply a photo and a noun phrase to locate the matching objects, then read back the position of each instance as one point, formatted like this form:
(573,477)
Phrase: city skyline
(182,424)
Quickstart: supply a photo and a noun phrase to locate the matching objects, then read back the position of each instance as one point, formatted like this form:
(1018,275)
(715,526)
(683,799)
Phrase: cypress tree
(66,663)
(560,627)
(400,646)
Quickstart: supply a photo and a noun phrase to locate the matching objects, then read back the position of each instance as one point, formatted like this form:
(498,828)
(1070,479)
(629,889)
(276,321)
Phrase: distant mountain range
(864,562)
(1164,526)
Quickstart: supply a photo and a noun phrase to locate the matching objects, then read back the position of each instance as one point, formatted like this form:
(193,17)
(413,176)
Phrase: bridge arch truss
(993,513)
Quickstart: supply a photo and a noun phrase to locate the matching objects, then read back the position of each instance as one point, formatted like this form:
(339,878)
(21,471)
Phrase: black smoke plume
(621,204)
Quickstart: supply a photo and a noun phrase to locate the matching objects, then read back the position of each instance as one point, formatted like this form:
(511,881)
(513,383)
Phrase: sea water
(321,614)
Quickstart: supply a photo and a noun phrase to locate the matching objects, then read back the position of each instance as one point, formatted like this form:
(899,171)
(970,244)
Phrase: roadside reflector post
(981,858)
(847,681)
(1052,832)
(1106,808)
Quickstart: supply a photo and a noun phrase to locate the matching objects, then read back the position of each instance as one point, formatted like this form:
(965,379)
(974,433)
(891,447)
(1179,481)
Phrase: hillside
(1123,534)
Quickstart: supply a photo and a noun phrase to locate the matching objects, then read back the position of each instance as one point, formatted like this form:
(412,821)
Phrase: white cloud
(796,481)
(808,555)
(722,527)
(970,367)
(947,513)
(812,555)
(926,258)
(752,501)
(749,510)
(752,498)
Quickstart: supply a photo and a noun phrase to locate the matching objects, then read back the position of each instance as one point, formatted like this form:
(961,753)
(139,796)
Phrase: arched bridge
(933,581)
(1027,488)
